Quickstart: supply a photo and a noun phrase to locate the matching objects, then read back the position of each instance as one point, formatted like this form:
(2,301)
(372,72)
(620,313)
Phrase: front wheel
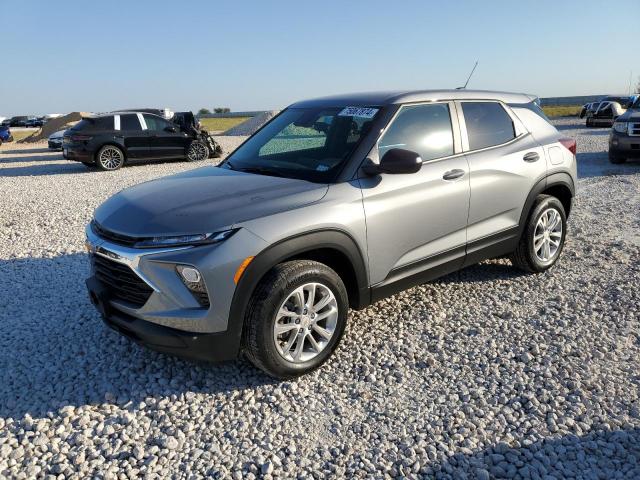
(197,151)
(109,158)
(295,318)
(543,237)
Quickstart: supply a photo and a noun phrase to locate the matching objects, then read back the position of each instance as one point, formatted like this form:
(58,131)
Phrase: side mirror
(170,129)
(395,161)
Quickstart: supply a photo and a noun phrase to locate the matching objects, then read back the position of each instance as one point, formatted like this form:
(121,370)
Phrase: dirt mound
(250,126)
(53,125)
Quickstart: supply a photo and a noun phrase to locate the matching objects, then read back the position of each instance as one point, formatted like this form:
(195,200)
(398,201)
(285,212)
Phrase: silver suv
(334,204)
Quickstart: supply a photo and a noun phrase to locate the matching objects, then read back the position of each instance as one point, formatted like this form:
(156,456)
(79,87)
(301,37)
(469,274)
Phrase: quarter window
(424,129)
(488,124)
(129,121)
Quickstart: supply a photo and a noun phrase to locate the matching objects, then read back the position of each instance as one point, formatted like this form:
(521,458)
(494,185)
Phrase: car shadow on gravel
(487,271)
(42,169)
(598,454)
(596,164)
(55,350)
(26,150)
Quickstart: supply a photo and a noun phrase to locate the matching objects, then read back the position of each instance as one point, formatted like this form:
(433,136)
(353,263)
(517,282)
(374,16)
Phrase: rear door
(505,162)
(134,137)
(166,140)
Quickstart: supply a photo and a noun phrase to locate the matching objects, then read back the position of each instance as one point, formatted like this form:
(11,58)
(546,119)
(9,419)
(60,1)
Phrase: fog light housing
(192,279)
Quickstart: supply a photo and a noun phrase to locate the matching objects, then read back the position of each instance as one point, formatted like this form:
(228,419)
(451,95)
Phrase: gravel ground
(486,373)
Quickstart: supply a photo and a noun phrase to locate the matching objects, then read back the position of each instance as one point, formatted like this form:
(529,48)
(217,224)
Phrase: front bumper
(189,345)
(55,145)
(170,312)
(624,145)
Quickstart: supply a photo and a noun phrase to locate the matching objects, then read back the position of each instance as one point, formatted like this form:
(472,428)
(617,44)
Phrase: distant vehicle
(49,116)
(589,108)
(17,121)
(2,119)
(34,122)
(5,134)
(608,110)
(624,139)
(55,140)
(110,140)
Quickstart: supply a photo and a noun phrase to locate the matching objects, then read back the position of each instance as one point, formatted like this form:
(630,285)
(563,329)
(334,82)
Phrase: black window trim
(518,126)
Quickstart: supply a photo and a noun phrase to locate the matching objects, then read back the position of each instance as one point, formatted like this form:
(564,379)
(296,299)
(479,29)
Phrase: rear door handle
(453,174)
(531,157)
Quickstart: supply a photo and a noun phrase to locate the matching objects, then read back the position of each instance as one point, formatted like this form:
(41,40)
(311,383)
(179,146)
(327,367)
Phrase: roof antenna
(469,78)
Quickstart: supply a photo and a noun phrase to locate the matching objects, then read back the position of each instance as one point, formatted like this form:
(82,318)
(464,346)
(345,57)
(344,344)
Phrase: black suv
(109,140)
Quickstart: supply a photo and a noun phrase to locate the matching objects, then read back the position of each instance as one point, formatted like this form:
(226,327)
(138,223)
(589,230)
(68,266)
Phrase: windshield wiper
(259,171)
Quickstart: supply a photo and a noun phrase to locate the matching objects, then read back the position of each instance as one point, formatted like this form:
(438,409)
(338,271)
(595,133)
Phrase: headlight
(620,127)
(184,240)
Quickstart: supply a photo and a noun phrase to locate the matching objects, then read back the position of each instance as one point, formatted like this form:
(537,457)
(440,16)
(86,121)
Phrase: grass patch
(20,134)
(562,111)
(222,123)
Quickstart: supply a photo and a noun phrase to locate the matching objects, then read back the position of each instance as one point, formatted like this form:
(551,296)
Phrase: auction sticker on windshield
(362,112)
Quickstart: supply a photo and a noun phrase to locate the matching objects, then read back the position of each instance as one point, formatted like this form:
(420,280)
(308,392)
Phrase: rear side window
(424,129)
(129,121)
(488,124)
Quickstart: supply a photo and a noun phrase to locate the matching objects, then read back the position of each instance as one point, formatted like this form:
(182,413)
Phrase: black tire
(525,257)
(106,165)
(616,159)
(588,122)
(197,151)
(259,342)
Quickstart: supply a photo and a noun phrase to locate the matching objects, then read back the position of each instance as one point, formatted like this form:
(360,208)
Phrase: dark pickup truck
(624,140)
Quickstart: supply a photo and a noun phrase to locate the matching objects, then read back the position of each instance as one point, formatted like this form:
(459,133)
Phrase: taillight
(80,138)
(570,144)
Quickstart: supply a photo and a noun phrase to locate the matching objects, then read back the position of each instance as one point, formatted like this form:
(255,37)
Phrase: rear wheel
(197,151)
(109,158)
(295,318)
(543,237)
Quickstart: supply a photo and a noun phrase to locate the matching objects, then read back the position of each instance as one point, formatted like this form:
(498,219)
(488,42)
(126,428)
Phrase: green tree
(222,110)
(204,111)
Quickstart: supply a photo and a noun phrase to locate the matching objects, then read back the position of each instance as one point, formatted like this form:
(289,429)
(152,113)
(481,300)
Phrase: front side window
(129,121)
(424,129)
(488,124)
(155,123)
(306,143)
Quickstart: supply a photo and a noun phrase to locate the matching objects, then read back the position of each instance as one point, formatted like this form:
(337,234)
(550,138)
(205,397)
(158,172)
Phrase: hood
(204,200)
(631,115)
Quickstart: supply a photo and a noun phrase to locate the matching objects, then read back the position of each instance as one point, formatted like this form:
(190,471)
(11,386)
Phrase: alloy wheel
(110,158)
(547,236)
(305,322)
(197,151)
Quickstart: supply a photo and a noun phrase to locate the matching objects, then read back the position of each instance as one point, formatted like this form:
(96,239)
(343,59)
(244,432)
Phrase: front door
(166,140)
(417,222)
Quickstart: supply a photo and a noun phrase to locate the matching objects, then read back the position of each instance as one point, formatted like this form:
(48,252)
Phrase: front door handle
(453,174)
(531,157)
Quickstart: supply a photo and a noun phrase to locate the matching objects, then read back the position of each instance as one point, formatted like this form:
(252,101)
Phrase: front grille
(112,236)
(121,282)
(634,129)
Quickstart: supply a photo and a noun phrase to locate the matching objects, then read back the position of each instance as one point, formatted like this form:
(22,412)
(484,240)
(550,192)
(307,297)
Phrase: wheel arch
(335,248)
(559,185)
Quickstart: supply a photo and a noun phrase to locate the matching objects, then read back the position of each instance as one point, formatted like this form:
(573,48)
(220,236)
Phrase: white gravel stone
(483,373)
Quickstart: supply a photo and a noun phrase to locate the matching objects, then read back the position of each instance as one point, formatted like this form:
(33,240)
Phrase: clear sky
(59,56)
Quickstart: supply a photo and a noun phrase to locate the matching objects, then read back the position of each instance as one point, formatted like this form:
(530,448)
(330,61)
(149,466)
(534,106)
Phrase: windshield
(305,143)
